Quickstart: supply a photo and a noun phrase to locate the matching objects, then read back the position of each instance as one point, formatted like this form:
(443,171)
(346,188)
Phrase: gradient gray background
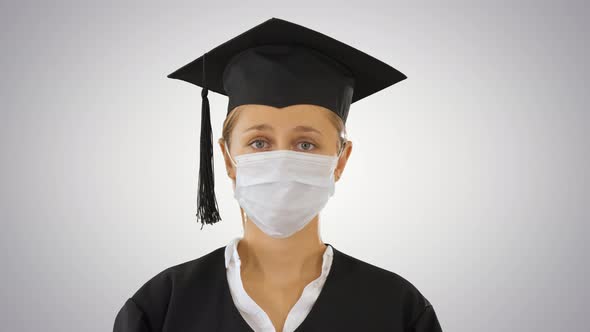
(470,178)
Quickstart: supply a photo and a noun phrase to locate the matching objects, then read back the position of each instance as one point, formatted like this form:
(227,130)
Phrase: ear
(343,160)
(229,167)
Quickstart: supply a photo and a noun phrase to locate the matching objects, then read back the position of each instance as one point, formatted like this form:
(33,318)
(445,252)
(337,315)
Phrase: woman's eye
(258,144)
(306,146)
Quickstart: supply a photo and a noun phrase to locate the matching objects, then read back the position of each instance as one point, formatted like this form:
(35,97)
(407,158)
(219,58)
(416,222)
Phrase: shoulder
(196,270)
(387,281)
(152,299)
(390,291)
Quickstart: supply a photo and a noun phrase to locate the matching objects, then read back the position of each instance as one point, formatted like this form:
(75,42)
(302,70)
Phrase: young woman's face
(303,128)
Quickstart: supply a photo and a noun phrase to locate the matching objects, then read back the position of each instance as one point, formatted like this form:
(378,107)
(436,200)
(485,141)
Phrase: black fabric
(357,296)
(283,75)
(342,64)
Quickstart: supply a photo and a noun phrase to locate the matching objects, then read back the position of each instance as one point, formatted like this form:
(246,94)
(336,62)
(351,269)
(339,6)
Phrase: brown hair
(230,120)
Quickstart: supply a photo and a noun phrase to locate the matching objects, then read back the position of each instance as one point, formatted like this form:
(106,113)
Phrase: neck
(282,262)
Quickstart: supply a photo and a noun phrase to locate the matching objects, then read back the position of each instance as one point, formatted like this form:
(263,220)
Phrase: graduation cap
(278,63)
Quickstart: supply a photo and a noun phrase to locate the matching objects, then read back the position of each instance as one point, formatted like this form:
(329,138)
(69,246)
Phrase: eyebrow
(265,126)
(307,129)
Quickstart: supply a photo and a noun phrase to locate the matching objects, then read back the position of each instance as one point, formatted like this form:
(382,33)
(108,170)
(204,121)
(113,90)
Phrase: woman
(284,145)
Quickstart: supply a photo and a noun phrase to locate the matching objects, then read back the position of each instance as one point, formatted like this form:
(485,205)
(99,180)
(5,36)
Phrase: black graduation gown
(357,296)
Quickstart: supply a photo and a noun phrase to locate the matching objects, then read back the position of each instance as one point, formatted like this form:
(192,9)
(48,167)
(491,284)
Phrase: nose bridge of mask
(285,166)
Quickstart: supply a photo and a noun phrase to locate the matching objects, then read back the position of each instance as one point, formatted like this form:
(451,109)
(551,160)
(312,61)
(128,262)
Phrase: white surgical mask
(281,191)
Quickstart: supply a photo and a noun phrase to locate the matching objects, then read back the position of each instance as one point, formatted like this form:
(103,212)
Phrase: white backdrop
(470,178)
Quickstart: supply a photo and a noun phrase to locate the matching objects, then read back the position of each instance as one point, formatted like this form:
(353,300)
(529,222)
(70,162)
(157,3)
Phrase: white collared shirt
(251,312)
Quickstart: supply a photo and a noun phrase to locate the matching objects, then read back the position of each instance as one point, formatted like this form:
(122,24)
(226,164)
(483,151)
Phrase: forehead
(286,117)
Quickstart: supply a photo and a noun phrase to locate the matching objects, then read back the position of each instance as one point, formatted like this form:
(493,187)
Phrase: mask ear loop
(244,215)
(228,154)
(341,150)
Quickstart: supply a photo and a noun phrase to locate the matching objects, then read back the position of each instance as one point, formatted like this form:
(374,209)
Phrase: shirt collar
(231,251)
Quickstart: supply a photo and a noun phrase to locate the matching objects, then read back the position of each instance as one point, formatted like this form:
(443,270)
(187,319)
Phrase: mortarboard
(278,63)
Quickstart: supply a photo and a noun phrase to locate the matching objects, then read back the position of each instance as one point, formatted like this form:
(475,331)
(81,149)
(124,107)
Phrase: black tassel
(207,210)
